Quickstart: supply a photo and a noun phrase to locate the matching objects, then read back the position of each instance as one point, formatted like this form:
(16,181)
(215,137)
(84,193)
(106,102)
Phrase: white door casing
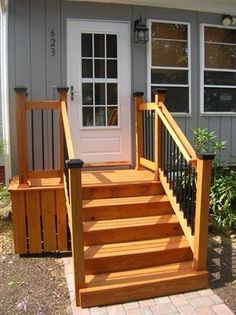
(100,109)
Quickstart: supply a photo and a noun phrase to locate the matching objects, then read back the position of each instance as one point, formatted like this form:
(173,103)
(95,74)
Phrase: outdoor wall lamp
(228,20)
(140,31)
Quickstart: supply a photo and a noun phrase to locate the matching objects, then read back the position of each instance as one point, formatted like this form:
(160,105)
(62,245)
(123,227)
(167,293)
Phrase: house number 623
(53,42)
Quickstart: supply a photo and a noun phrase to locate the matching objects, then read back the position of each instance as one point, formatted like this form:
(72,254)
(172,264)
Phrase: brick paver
(202,302)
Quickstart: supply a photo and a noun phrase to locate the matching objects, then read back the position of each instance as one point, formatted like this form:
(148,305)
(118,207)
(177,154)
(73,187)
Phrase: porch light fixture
(228,20)
(140,31)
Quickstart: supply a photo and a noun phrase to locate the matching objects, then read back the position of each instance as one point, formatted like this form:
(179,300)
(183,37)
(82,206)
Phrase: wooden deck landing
(116,177)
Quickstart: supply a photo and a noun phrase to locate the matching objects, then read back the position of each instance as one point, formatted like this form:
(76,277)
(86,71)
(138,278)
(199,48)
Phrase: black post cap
(62,89)
(20,89)
(74,163)
(206,155)
(138,94)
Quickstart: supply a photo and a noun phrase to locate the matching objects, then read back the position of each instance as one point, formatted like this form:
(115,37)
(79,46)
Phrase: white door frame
(74,77)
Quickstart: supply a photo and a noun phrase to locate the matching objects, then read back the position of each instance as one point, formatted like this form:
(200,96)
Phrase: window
(169,60)
(218,71)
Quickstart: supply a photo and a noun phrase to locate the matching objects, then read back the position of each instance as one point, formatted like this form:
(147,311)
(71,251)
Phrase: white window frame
(203,69)
(149,65)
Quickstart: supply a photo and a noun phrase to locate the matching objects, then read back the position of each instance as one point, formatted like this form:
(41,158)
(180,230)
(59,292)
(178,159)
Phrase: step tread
(135,247)
(90,226)
(142,275)
(124,201)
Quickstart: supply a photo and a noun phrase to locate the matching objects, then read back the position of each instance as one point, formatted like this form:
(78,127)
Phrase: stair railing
(185,175)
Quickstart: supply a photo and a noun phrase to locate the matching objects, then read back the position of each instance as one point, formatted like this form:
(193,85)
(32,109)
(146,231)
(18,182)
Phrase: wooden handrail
(67,132)
(41,105)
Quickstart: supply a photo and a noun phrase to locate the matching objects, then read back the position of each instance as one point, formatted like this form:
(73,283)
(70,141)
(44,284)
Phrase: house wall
(31,64)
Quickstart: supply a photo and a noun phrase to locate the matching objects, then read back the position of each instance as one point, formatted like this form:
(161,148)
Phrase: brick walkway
(203,302)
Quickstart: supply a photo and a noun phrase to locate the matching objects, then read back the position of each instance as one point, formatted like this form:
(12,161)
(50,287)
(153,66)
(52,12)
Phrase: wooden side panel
(61,220)
(33,221)
(49,222)
(19,222)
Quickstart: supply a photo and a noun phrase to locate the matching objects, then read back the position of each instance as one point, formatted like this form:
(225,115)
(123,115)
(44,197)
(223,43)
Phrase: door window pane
(99,45)
(111,69)
(163,76)
(112,94)
(100,116)
(100,68)
(112,116)
(219,100)
(111,46)
(86,44)
(221,35)
(87,116)
(169,53)
(99,93)
(220,56)
(87,68)
(87,94)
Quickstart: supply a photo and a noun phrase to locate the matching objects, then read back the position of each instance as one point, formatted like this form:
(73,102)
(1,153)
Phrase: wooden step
(145,283)
(138,254)
(131,229)
(128,207)
(125,189)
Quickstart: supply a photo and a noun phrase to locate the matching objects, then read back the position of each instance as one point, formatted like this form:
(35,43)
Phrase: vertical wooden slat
(61,220)
(77,235)
(138,98)
(21,128)
(33,221)
(204,166)
(19,222)
(49,222)
(62,97)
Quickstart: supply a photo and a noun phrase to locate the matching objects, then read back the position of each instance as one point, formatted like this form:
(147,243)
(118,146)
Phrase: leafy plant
(223,187)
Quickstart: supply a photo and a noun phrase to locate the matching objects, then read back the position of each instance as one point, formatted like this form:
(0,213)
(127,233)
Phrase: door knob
(72,91)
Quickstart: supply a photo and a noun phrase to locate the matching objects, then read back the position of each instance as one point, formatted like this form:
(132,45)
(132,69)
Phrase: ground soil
(34,285)
(37,285)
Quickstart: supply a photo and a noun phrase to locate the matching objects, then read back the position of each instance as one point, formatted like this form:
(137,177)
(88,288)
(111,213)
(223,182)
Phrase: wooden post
(204,167)
(159,97)
(62,91)
(21,130)
(77,235)
(138,99)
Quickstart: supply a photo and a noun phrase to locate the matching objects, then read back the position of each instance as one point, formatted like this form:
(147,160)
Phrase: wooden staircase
(134,247)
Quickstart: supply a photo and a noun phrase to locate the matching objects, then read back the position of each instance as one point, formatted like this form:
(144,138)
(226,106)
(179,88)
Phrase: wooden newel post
(21,130)
(62,91)
(77,235)
(204,168)
(159,97)
(138,99)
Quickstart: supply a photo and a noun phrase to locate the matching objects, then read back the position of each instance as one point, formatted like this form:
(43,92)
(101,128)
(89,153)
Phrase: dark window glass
(111,46)
(87,116)
(100,116)
(220,56)
(219,78)
(99,93)
(111,69)
(99,45)
(100,68)
(221,35)
(163,76)
(112,94)
(219,100)
(87,68)
(177,99)
(112,116)
(172,31)
(86,40)
(87,93)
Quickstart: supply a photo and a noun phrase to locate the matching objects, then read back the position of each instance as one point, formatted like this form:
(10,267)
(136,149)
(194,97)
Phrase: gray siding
(31,64)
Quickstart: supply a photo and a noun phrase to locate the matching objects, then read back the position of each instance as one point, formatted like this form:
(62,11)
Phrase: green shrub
(223,186)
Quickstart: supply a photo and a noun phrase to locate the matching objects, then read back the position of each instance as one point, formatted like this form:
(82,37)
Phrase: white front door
(99,104)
